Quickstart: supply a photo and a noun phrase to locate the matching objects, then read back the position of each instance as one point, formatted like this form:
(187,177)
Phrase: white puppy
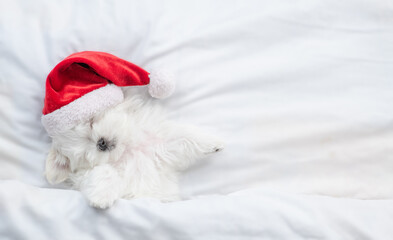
(128,151)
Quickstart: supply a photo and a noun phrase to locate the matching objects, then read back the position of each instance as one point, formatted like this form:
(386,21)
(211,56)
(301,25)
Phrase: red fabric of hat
(84,72)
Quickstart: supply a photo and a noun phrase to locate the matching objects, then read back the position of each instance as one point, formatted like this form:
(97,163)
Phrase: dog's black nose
(102,144)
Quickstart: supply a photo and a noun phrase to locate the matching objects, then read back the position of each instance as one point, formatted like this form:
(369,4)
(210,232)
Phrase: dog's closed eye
(105,145)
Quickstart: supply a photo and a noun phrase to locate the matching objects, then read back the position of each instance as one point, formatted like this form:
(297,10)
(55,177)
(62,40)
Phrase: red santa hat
(86,83)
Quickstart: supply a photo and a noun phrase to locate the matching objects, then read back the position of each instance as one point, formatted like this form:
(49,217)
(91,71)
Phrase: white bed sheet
(301,91)
(247,214)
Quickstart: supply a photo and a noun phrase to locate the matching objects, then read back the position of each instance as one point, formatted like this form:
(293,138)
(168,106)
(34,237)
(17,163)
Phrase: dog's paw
(214,146)
(101,201)
(102,186)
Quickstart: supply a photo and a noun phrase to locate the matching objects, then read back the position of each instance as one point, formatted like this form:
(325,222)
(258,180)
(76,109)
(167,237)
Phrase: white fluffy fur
(149,152)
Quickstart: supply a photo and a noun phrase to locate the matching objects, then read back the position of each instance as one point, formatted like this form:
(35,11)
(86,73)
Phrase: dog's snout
(104,145)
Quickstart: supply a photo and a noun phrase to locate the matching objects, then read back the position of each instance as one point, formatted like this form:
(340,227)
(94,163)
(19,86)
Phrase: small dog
(128,151)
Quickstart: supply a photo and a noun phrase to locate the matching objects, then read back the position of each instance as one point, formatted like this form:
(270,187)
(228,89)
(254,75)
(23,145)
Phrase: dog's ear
(57,167)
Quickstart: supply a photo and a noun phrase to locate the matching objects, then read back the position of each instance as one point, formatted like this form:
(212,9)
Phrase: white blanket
(302,91)
(36,213)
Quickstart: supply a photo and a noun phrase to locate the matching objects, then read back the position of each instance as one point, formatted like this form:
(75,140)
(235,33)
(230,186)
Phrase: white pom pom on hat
(162,84)
(87,82)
